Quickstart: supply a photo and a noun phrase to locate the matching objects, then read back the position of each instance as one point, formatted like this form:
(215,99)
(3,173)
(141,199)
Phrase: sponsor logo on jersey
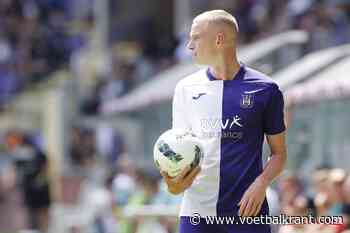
(225,124)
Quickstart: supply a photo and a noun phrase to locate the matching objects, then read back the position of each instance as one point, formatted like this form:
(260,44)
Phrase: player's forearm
(273,168)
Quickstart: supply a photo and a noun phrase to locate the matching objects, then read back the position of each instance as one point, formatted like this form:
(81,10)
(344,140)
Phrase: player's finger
(243,204)
(258,208)
(190,177)
(248,209)
(253,209)
(165,174)
(194,172)
(183,173)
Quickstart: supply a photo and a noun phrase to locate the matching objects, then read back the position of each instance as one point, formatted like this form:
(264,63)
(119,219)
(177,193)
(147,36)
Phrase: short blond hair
(219,17)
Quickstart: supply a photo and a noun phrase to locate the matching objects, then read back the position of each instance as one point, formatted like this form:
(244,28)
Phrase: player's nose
(190,45)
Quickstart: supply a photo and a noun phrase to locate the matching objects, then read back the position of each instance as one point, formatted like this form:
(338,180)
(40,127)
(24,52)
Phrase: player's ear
(219,39)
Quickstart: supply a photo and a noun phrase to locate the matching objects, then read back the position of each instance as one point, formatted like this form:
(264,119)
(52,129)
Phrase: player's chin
(199,61)
(195,57)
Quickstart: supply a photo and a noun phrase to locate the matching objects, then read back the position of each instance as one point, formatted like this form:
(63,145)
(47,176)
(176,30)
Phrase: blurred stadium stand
(88,85)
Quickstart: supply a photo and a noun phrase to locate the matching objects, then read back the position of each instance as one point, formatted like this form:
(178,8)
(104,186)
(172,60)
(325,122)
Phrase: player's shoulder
(195,78)
(259,78)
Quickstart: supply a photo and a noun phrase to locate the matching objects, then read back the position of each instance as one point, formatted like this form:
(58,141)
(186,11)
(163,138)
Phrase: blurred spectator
(109,144)
(319,180)
(31,167)
(346,206)
(102,201)
(297,208)
(12,217)
(82,147)
(124,182)
(148,187)
(103,144)
(120,80)
(289,188)
(337,197)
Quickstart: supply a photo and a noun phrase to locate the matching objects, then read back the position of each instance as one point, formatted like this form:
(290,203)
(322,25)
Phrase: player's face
(202,43)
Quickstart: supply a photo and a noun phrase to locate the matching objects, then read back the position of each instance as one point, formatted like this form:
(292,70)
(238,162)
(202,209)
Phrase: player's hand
(181,182)
(253,199)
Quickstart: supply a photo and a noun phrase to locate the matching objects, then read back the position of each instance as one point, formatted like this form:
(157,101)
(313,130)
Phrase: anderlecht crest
(247,101)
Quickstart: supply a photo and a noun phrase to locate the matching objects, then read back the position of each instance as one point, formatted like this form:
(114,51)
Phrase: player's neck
(226,70)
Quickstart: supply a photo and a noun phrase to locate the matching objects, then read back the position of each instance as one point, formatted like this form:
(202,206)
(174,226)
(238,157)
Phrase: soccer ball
(175,149)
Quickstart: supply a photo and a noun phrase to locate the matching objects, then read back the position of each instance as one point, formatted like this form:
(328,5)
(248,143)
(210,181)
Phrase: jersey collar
(238,76)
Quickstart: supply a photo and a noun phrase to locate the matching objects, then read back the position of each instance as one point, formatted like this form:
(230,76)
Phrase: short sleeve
(179,115)
(274,112)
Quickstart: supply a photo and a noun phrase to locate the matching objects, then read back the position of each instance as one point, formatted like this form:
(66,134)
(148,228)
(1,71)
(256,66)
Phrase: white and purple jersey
(231,117)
